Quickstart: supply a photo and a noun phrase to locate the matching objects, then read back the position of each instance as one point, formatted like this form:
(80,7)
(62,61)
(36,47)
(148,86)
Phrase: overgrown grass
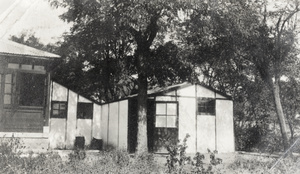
(12,161)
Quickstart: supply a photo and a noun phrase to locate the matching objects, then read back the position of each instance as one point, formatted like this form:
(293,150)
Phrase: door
(166,125)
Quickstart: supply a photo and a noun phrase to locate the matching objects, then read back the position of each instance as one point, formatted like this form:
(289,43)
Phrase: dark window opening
(32,89)
(206,106)
(85,110)
(59,109)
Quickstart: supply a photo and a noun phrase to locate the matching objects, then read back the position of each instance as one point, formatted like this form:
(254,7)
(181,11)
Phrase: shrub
(179,162)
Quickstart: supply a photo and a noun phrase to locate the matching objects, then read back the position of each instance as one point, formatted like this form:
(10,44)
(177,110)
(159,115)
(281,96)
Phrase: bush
(179,162)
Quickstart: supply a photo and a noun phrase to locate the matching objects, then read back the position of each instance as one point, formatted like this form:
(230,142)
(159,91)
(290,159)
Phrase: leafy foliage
(106,40)
(241,48)
(179,162)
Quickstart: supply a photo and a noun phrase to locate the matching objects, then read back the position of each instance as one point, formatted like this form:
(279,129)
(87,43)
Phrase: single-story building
(46,114)
(173,112)
(34,108)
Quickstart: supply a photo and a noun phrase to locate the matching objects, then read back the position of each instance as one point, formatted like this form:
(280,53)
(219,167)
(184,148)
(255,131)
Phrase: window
(24,89)
(32,89)
(59,109)
(206,106)
(166,115)
(85,110)
(8,88)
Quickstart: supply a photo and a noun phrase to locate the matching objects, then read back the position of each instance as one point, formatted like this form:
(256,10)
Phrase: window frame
(63,114)
(207,107)
(165,115)
(16,86)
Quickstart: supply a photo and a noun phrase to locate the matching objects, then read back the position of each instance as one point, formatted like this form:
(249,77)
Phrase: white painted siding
(187,122)
(206,129)
(123,124)
(59,92)
(96,132)
(225,134)
(71,119)
(57,133)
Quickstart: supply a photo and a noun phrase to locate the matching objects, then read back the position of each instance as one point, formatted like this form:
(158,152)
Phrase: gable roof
(15,49)
(158,91)
(163,90)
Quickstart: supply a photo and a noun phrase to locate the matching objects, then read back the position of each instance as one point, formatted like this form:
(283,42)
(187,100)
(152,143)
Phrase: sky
(31,16)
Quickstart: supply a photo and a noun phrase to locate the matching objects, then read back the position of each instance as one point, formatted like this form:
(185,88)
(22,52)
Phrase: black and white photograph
(149,86)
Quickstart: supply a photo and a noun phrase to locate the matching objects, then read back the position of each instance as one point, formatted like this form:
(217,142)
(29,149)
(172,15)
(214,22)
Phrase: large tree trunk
(142,139)
(280,115)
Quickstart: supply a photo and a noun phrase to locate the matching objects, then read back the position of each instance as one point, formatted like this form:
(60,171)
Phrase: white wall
(84,129)
(96,132)
(57,133)
(71,119)
(225,129)
(63,131)
(59,93)
(123,124)
(206,137)
(104,124)
(187,116)
(114,124)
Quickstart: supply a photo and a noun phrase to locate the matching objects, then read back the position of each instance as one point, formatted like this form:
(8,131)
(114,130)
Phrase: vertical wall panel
(113,128)
(57,133)
(224,122)
(71,119)
(96,132)
(104,124)
(123,122)
(187,122)
(84,128)
(59,93)
(187,91)
(204,92)
(206,133)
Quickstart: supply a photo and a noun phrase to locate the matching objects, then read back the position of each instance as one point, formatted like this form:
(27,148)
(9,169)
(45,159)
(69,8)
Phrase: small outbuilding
(173,112)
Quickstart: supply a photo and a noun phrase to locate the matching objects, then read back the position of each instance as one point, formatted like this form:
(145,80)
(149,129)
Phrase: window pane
(13,65)
(7,89)
(55,106)
(62,106)
(26,67)
(7,99)
(206,106)
(161,108)
(39,68)
(172,109)
(55,112)
(8,78)
(171,121)
(160,121)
